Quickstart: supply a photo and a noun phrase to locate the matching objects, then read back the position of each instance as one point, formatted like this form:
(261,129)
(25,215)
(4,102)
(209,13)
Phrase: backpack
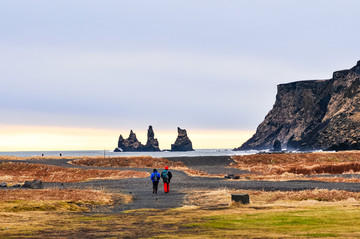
(165,176)
(156,178)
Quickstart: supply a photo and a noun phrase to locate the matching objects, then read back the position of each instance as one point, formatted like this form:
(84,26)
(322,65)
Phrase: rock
(313,115)
(131,144)
(277,146)
(16,186)
(232,176)
(152,143)
(3,185)
(240,198)
(182,142)
(36,184)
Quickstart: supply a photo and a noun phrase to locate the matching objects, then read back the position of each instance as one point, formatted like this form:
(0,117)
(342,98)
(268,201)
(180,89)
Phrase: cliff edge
(315,114)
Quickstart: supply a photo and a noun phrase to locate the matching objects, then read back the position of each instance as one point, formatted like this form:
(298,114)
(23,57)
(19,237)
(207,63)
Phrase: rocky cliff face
(182,142)
(308,115)
(133,144)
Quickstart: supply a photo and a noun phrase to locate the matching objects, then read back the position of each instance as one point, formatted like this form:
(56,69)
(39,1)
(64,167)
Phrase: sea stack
(129,144)
(152,143)
(313,115)
(132,144)
(182,142)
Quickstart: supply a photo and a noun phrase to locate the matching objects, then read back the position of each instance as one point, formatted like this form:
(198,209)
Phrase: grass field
(313,214)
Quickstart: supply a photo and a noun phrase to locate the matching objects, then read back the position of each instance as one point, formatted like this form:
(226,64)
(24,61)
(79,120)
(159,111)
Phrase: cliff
(310,115)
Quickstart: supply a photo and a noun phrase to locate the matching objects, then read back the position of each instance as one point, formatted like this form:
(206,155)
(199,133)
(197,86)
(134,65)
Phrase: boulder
(232,176)
(36,184)
(182,143)
(3,185)
(240,198)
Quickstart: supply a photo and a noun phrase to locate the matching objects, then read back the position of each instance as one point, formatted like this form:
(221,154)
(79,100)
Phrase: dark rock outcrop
(277,146)
(182,142)
(36,184)
(129,144)
(152,143)
(310,115)
(132,144)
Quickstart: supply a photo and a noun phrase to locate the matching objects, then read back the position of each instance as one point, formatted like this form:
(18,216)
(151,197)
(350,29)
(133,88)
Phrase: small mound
(57,194)
(76,200)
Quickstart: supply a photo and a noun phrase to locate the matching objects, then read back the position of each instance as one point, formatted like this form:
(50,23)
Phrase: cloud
(197,89)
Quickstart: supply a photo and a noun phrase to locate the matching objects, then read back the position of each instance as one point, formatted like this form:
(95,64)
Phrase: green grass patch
(322,222)
(315,235)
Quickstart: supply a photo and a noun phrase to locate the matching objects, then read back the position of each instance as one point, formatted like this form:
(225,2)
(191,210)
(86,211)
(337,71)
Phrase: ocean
(110,153)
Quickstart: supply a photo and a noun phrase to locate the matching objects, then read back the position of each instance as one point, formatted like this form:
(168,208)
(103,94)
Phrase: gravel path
(141,188)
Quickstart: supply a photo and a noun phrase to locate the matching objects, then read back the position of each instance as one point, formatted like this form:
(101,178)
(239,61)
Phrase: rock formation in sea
(314,114)
(152,143)
(182,143)
(129,144)
(133,144)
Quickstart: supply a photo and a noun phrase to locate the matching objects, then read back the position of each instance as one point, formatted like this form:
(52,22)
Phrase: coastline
(111,153)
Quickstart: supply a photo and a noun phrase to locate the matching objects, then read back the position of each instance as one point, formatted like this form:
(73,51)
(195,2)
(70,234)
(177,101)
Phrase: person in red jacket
(166,175)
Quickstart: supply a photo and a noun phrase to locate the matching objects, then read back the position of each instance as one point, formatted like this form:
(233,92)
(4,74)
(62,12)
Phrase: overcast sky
(203,65)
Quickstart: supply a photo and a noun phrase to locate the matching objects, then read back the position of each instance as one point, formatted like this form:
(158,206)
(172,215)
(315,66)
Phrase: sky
(76,74)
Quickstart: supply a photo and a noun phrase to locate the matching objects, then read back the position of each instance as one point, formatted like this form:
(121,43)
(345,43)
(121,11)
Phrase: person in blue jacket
(155,178)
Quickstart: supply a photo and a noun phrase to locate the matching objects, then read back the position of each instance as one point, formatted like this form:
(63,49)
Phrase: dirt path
(141,188)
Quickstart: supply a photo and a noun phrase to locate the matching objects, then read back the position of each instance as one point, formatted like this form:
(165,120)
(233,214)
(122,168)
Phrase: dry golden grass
(23,200)
(300,163)
(222,197)
(291,176)
(56,194)
(20,172)
(39,157)
(134,162)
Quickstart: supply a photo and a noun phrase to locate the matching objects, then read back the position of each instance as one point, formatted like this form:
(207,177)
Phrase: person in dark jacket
(155,178)
(166,175)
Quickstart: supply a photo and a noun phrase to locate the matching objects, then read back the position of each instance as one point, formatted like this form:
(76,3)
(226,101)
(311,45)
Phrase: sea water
(108,153)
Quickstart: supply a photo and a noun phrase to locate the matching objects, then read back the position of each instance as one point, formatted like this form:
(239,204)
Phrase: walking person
(166,175)
(155,178)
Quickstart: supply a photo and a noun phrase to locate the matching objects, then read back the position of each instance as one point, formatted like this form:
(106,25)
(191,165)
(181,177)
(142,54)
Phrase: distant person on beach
(155,178)
(166,175)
